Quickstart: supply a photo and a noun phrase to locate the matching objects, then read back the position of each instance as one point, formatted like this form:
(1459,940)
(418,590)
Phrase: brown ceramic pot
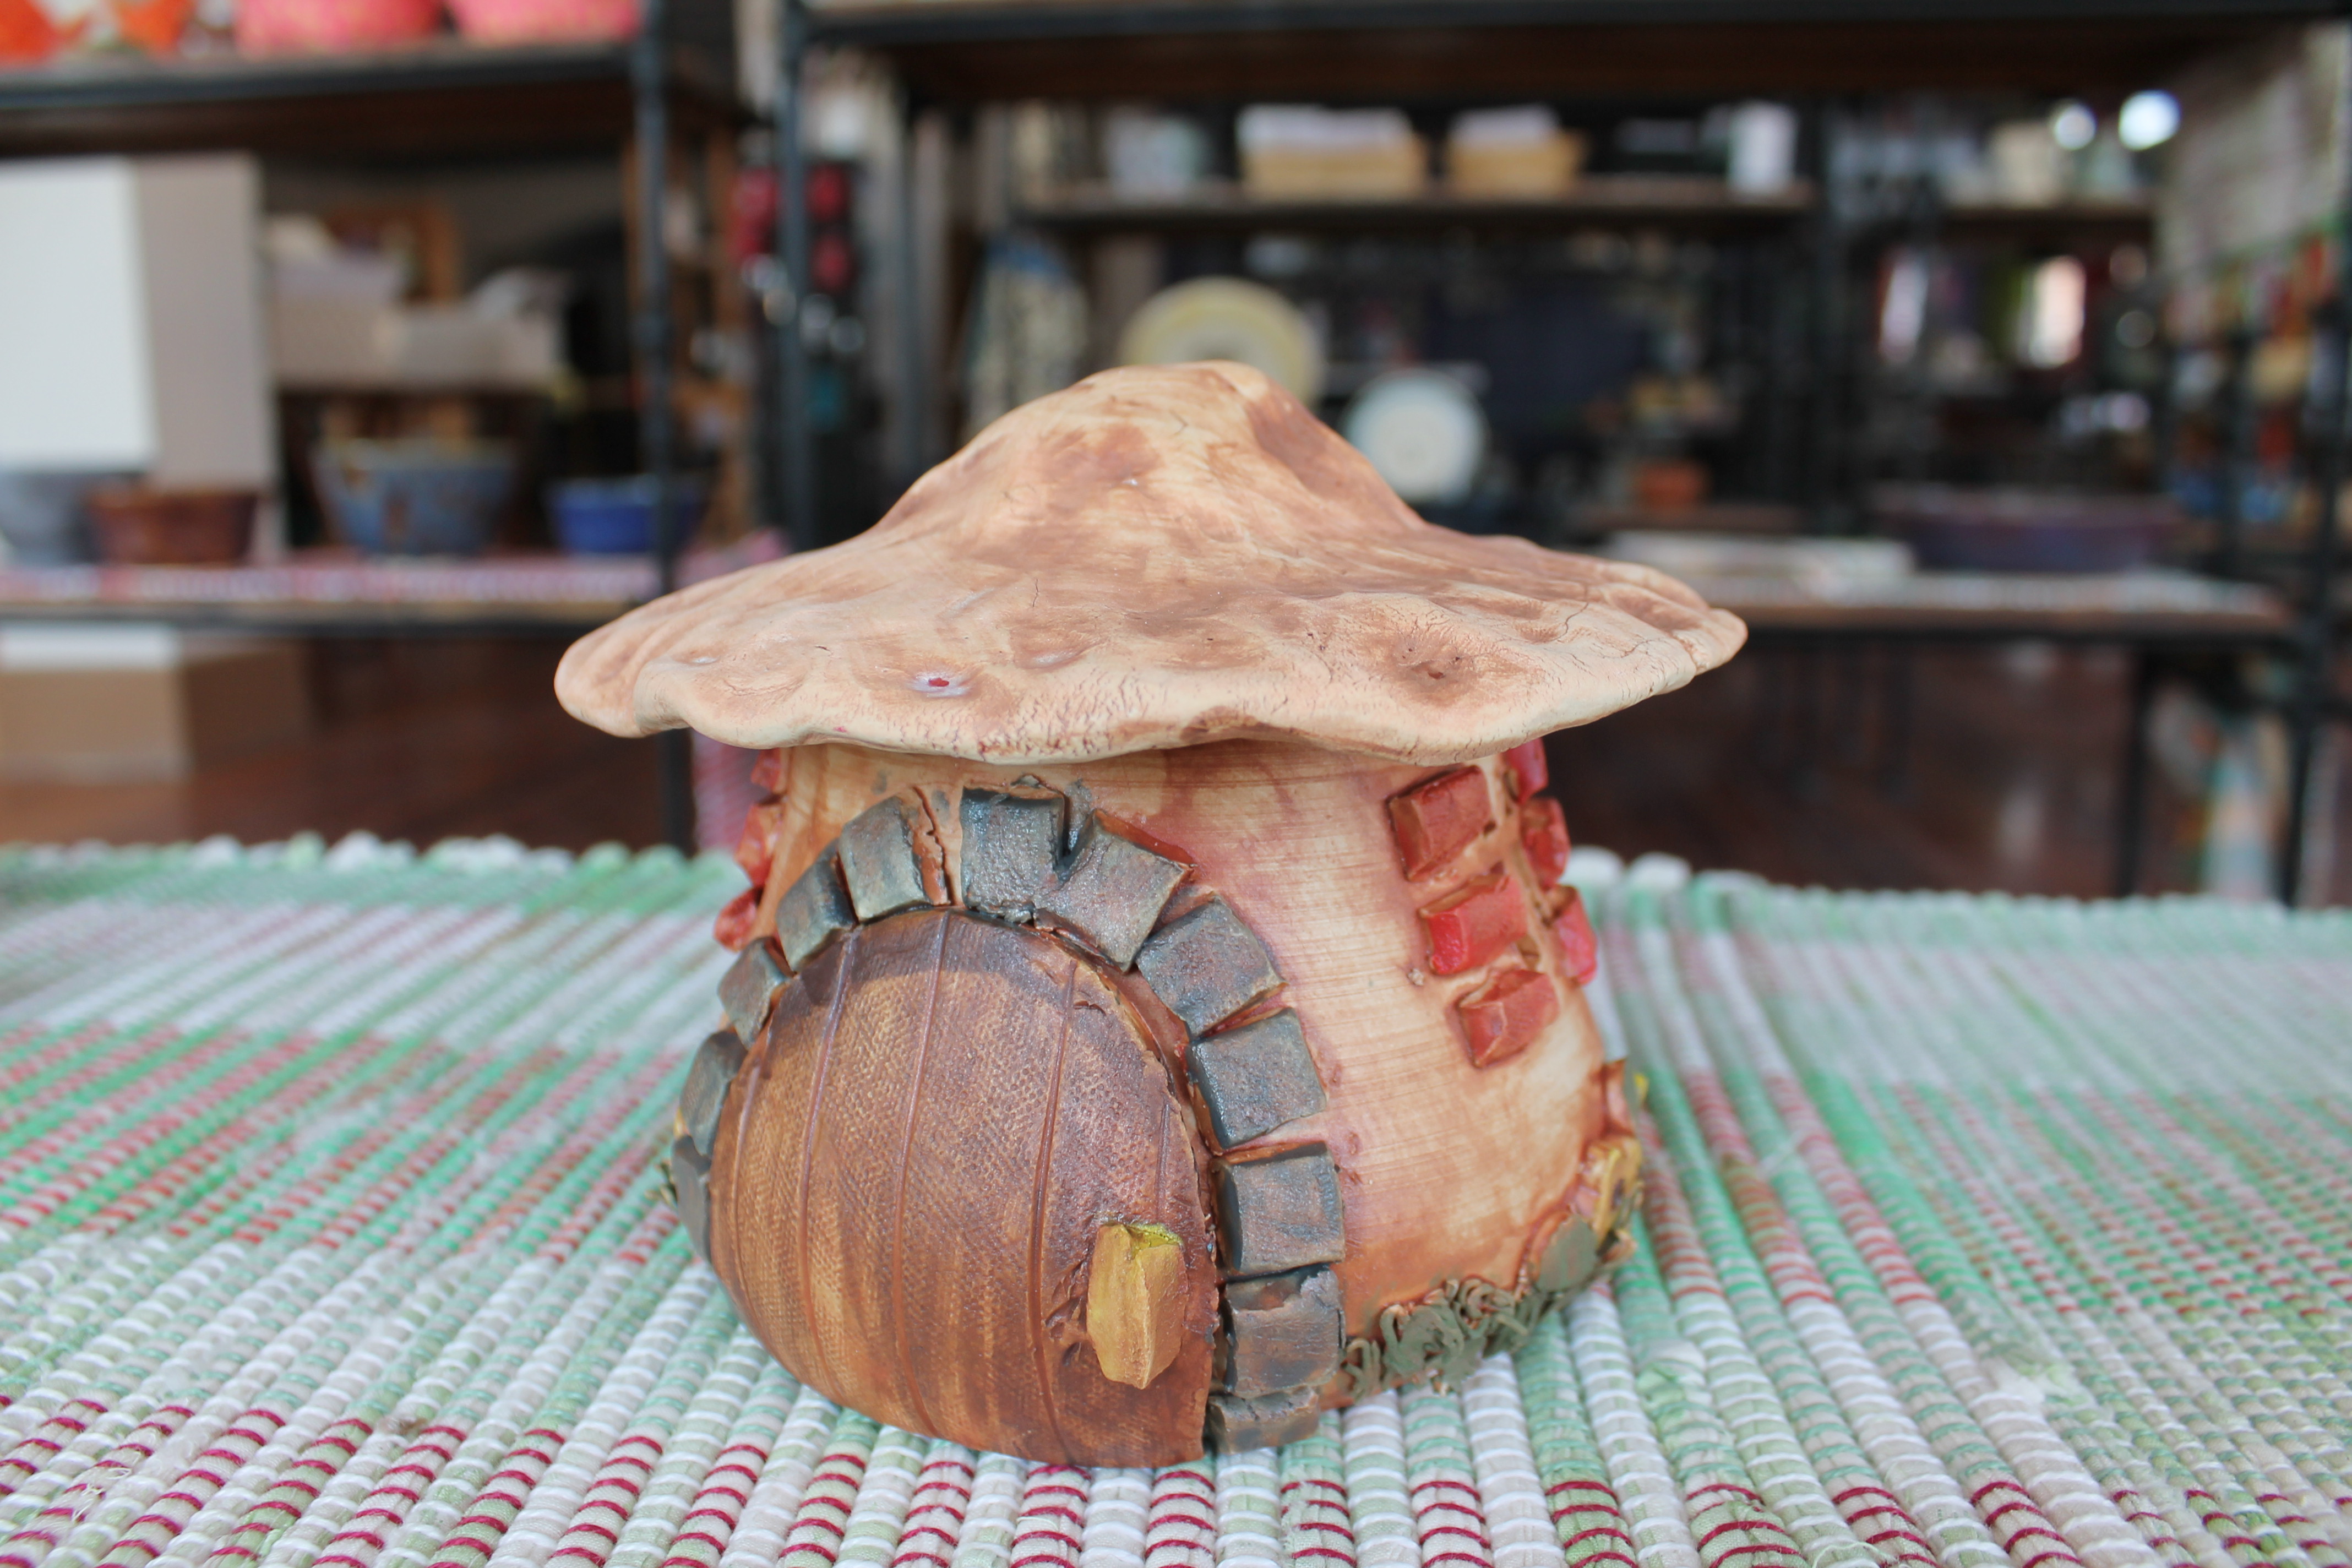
(138,527)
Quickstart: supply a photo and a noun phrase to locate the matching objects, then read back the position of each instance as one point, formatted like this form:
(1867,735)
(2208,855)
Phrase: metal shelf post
(798,447)
(648,74)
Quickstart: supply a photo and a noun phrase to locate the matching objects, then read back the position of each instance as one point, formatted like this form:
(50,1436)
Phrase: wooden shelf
(331,592)
(440,98)
(1598,198)
(2059,223)
(1763,519)
(2144,609)
(1417,50)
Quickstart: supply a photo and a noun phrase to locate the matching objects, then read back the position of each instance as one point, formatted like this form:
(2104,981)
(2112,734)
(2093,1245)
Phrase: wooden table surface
(332,593)
(2132,607)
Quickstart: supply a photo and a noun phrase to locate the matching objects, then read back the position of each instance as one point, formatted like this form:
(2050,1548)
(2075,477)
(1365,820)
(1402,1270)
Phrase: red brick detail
(1525,766)
(1472,924)
(1574,929)
(1436,820)
(768,772)
(734,926)
(1543,831)
(755,849)
(1502,1017)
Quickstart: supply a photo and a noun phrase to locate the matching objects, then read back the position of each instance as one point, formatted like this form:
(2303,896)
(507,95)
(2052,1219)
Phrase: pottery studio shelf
(488,597)
(1392,50)
(443,100)
(1675,201)
(329,593)
(440,98)
(2135,609)
(2084,222)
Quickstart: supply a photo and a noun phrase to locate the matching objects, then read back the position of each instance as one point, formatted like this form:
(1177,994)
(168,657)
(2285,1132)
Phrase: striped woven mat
(1982,1231)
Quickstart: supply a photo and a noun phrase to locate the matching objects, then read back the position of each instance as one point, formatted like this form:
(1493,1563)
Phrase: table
(333,593)
(2141,609)
(2163,621)
(1985,1231)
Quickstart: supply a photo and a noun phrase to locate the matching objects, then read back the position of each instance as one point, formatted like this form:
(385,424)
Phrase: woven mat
(1984,1232)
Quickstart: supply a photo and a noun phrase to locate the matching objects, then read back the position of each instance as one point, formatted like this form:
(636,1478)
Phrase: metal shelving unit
(1685,203)
(1380,50)
(437,98)
(444,99)
(956,53)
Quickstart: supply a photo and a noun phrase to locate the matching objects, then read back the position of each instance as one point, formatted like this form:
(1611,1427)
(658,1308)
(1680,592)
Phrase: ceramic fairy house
(1157,1019)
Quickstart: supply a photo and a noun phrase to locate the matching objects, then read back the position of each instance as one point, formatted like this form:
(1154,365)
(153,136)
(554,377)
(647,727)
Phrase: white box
(353,343)
(130,320)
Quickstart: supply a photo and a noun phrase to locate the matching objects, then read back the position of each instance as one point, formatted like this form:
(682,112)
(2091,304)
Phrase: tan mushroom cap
(1158,556)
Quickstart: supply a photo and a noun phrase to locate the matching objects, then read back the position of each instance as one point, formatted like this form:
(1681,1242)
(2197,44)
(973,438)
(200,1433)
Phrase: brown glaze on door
(940,1117)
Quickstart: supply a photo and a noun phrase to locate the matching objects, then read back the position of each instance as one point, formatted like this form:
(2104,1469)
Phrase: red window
(1503,1017)
(1527,767)
(1471,925)
(1543,830)
(1437,821)
(1574,929)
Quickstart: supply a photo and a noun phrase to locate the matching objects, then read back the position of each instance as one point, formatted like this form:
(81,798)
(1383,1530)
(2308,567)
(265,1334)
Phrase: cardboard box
(1515,170)
(1300,152)
(96,703)
(339,344)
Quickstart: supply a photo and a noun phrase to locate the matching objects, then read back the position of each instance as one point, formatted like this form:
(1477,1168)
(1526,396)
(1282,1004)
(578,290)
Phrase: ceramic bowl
(415,497)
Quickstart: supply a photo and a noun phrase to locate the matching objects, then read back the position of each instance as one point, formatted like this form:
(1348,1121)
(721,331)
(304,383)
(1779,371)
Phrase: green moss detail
(1444,1336)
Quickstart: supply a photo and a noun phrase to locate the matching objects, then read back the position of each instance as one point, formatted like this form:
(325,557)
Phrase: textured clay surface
(908,1190)
(1446,1169)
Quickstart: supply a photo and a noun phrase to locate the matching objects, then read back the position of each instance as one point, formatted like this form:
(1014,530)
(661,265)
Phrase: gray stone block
(879,863)
(749,989)
(1255,1079)
(1010,840)
(1110,894)
(716,1062)
(1279,1209)
(1286,1331)
(814,910)
(1207,965)
(689,1178)
(1236,1424)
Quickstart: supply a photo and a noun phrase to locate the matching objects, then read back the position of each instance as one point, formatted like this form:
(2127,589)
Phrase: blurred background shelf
(334,592)
(1385,50)
(441,98)
(2123,220)
(975,200)
(1683,202)
(2137,610)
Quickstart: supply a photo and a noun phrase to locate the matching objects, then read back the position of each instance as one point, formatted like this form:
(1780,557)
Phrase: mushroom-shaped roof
(1158,556)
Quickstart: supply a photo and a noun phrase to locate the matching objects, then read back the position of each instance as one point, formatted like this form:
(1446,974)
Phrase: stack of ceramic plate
(1423,431)
(1227,318)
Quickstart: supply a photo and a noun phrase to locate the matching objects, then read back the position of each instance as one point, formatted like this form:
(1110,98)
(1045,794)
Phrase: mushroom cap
(1158,556)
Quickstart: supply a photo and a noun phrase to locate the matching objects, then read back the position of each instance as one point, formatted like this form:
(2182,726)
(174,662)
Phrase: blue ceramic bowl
(44,513)
(414,498)
(615,517)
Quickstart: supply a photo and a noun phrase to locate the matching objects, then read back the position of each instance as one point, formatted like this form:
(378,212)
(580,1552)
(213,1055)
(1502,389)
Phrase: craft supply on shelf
(417,497)
(135,526)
